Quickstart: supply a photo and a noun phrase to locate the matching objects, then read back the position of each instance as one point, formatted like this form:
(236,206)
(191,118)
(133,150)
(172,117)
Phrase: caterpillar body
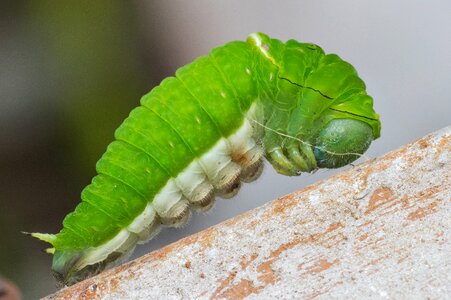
(200,133)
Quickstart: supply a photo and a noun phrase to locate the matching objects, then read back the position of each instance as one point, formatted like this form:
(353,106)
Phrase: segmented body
(199,134)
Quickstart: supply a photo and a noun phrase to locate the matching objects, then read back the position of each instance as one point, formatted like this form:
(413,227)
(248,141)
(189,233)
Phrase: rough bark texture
(381,229)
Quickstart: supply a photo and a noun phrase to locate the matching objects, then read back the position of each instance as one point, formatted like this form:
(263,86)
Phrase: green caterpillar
(202,132)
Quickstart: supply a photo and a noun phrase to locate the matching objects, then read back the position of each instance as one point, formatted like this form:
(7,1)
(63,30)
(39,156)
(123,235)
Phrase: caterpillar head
(319,114)
(341,142)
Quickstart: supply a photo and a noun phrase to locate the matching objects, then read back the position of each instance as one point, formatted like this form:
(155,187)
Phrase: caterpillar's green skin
(299,91)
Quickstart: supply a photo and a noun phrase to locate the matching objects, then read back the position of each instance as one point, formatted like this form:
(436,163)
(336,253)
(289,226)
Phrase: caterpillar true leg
(296,157)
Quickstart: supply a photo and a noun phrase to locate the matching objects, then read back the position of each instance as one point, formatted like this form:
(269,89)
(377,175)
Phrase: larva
(200,133)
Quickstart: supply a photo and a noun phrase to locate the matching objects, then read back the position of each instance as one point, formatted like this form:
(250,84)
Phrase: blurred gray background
(70,71)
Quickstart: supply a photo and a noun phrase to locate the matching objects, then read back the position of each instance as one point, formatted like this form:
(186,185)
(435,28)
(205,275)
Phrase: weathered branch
(380,229)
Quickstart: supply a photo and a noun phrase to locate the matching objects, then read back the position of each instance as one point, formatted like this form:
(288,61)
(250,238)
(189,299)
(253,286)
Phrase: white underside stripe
(201,172)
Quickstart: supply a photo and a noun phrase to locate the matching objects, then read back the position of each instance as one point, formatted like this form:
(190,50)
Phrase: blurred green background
(70,72)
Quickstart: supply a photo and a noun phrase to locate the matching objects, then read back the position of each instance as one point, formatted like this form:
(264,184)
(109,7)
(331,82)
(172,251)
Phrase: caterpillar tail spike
(201,133)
